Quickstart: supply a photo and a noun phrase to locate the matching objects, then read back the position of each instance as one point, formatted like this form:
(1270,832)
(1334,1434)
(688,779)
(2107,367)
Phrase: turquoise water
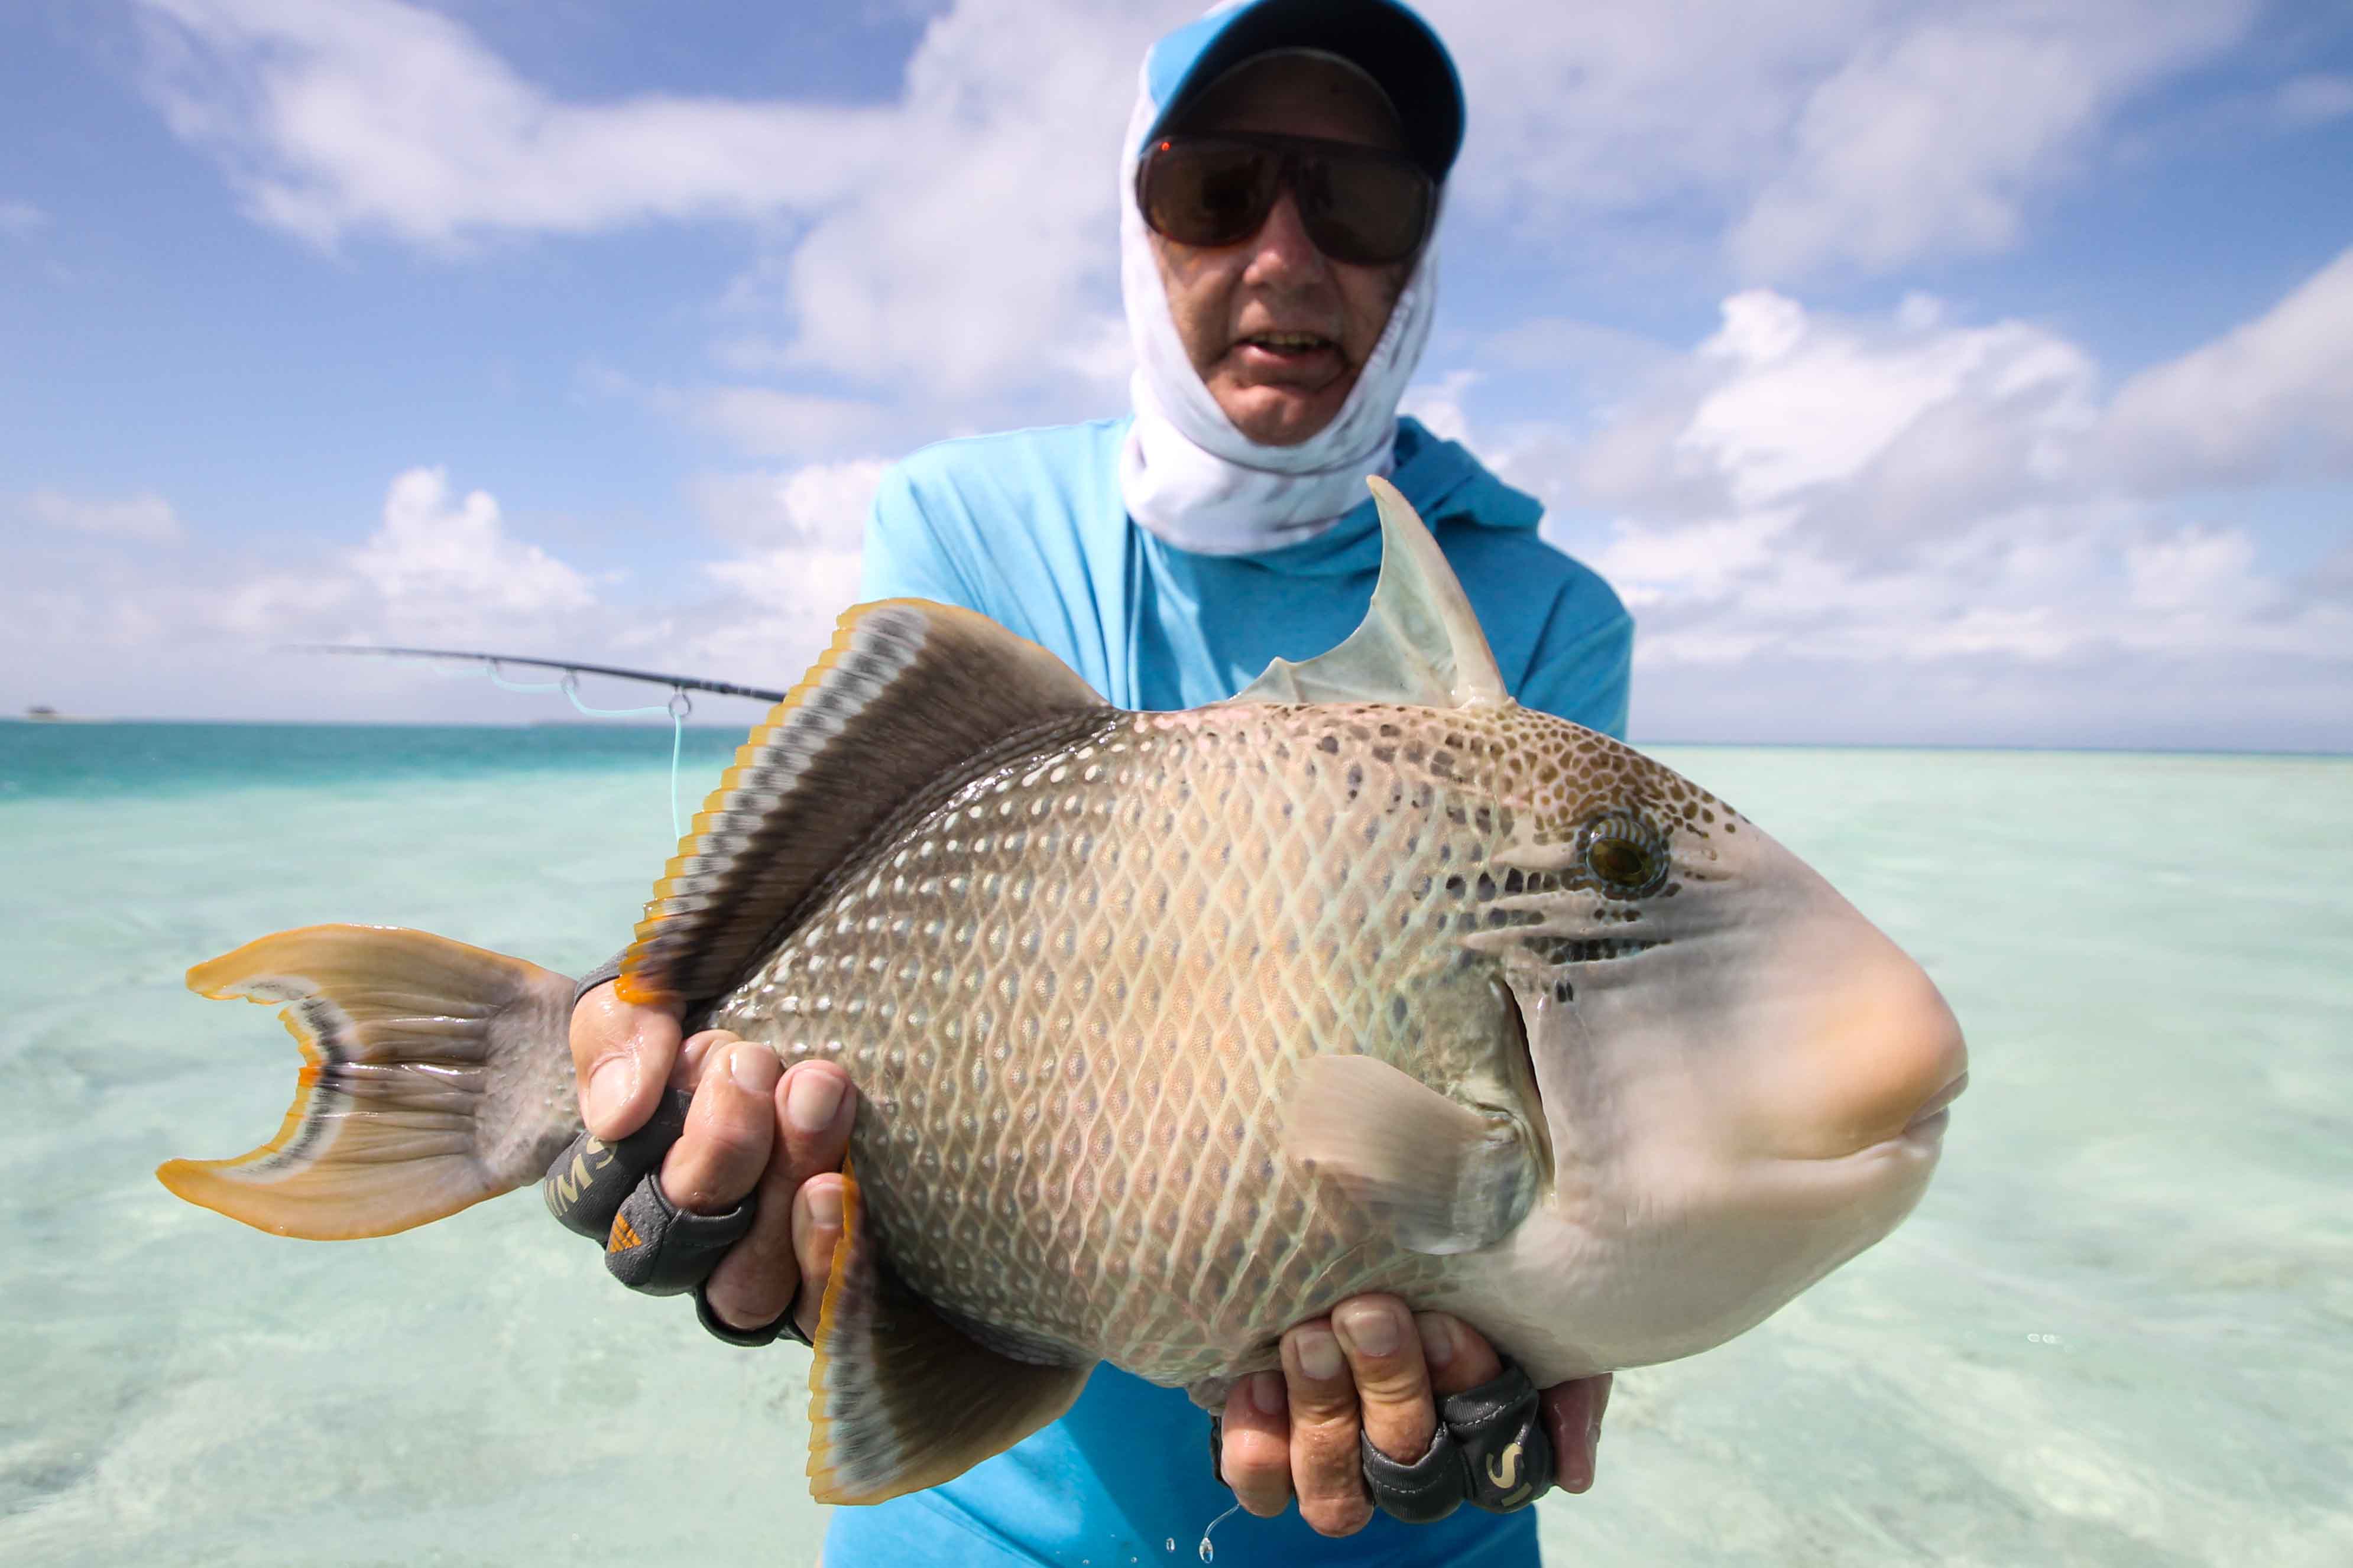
(2118,1331)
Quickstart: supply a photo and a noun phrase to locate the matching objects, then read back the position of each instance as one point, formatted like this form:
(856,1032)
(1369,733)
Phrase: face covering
(1186,474)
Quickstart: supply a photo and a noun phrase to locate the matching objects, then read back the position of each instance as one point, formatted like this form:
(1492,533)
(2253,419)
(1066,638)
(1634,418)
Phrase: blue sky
(1976,373)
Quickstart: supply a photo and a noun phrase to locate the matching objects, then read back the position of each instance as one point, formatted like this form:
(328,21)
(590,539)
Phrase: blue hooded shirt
(1029,528)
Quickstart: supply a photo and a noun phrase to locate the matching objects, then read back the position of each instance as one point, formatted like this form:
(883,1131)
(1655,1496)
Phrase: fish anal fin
(1420,645)
(907,690)
(1443,1177)
(899,1399)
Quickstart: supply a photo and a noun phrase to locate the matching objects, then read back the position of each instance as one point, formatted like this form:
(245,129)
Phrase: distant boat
(42,712)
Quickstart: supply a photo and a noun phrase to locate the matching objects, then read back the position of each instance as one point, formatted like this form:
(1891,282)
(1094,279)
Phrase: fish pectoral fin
(899,1398)
(1445,1178)
(1420,643)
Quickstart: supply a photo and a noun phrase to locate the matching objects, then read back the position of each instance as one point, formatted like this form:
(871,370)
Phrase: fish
(1171,1030)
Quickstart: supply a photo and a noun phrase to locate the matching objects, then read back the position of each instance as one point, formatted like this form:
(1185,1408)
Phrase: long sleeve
(1582,664)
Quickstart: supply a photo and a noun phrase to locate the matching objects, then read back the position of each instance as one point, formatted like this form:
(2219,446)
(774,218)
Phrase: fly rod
(569,667)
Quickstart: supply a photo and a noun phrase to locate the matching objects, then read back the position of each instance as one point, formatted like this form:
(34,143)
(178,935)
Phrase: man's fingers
(1378,1336)
(1459,1355)
(1572,1413)
(729,1131)
(793,1233)
(815,1108)
(694,1055)
(1326,1469)
(816,1231)
(620,1055)
(752,1284)
(1255,1444)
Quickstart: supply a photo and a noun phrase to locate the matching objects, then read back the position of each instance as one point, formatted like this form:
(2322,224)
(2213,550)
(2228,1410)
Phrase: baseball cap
(1387,40)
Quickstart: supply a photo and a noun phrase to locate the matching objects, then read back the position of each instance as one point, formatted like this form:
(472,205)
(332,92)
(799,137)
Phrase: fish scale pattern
(1072,989)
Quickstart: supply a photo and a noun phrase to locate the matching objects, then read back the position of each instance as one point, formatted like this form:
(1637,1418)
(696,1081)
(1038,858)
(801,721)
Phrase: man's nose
(1280,249)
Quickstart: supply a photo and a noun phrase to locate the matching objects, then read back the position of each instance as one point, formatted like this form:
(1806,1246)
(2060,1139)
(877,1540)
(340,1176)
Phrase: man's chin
(1282,415)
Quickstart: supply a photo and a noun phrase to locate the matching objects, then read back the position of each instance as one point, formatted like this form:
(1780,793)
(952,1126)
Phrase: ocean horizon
(2117,1330)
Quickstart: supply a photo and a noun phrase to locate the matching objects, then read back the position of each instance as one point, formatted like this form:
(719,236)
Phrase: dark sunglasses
(1358,205)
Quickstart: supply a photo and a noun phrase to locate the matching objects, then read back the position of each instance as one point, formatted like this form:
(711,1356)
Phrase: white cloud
(1935,132)
(958,241)
(21,220)
(820,504)
(99,621)
(953,249)
(1896,508)
(1833,528)
(144,516)
(436,564)
(1439,404)
(769,422)
(1903,426)
(1813,131)
(780,609)
(985,252)
(779,598)
(372,115)
(2308,100)
(2274,398)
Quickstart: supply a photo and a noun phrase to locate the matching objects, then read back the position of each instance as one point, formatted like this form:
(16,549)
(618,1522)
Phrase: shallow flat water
(2118,1331)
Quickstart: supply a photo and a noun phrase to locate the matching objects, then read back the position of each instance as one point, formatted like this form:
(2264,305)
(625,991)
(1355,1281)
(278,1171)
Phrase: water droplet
(1210,1553)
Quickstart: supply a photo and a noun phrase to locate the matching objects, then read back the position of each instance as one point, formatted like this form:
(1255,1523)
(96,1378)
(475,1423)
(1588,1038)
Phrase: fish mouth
(1928,1124)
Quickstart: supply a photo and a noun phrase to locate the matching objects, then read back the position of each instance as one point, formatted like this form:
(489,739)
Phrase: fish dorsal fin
(908,690)
(1420,644)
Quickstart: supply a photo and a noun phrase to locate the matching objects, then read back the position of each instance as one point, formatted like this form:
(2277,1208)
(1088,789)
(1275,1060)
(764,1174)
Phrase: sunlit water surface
(2119,1329)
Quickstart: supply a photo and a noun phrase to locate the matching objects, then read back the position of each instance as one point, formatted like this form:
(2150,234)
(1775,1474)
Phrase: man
(1283,176)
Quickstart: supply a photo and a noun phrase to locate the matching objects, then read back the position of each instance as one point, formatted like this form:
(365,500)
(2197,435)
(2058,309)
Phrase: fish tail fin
(435,1075)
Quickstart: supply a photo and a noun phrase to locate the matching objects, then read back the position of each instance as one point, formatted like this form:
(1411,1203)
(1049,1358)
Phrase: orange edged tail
(435,1075)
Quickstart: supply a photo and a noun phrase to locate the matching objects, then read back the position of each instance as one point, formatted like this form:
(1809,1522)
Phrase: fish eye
(1625,854)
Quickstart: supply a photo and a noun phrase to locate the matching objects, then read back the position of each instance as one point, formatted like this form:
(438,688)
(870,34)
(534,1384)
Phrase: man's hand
(751,1126)
(1372,1366)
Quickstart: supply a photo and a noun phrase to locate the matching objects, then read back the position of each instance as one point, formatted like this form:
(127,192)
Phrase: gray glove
(612,1193)
(1490,1449)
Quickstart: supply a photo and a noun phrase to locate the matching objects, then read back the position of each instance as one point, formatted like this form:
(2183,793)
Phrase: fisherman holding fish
(1161,1037)
(1281,180)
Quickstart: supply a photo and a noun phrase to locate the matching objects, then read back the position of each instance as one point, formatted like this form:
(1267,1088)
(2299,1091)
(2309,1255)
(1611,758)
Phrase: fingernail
(1366,1329)
(754,1068)
(811,1103)
(825,1204)
(1266,1392)
(611,1086)
(690,1058)
(1438,1342)
(1577,1466)
(1319,1354)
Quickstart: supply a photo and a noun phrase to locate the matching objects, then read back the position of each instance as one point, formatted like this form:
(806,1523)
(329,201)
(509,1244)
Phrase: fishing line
(1208,1552)
(678,706)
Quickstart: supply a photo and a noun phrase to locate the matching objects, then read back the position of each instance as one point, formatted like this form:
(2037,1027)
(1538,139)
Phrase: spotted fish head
(1744,1081)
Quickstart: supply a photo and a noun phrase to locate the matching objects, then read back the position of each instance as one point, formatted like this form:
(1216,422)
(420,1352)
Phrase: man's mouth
(1288,345)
